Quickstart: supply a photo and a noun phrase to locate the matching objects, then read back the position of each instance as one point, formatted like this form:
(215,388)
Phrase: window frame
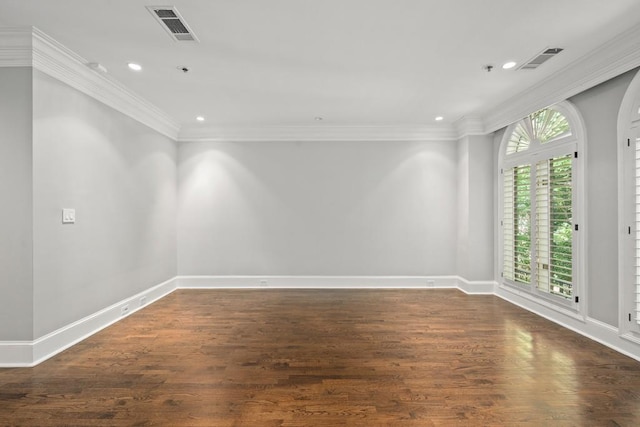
(629,238)
(537,152)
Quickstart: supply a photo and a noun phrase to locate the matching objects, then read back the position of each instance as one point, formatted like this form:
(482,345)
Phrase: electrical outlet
(124,310)
(263,282)
(431,283)
(143,301)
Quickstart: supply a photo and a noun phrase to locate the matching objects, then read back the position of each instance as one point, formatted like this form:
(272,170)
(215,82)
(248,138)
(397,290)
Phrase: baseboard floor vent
(541,58)
(173,23)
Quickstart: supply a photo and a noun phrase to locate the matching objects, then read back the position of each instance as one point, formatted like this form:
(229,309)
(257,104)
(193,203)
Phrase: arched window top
(541,127)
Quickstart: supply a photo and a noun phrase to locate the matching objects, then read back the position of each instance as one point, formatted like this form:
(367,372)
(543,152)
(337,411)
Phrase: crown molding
(617,56)
(32,47)
(24,47)
(469,126)
(59,62)
(194,133)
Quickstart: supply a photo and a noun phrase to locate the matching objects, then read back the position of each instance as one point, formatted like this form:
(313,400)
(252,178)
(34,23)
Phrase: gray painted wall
(317,208)
(281,208)
(16,280)
(599,107)
(462,236)
(476,263)
(120,176)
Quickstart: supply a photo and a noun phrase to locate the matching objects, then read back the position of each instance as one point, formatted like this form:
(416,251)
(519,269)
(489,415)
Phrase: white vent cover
(173,23)
(541,58)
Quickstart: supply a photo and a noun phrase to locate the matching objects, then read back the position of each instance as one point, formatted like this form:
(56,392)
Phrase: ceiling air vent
(541,58)
(173,23)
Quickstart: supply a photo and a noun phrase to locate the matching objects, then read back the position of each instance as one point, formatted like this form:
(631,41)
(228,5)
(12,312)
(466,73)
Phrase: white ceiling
(352,62)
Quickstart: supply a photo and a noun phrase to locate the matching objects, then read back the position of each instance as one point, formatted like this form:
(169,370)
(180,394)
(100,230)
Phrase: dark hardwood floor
(327,358)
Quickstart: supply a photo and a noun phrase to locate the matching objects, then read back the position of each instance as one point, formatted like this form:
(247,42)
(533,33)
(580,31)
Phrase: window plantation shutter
(542,225)
(538,205)
(507,225)
(516,224)
(554,226)
(637,236)
(561,223)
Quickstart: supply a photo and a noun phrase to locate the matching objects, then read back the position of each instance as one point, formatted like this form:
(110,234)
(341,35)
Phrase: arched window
(542,126)
(539,227)
(629,157)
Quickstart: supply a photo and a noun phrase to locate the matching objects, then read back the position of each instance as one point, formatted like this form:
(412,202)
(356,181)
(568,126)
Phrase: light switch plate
(68,216)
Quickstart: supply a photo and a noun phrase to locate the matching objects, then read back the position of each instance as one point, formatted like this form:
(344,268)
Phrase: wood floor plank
(327,358)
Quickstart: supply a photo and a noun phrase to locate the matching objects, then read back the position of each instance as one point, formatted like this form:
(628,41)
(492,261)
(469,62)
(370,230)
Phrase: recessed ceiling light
(439,119)
(508,65)
(134,66)
(200,119)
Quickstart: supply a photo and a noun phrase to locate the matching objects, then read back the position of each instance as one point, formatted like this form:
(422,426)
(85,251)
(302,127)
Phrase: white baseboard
(316,282)
(593,329)
(477,287)
(337,282)
(31,353)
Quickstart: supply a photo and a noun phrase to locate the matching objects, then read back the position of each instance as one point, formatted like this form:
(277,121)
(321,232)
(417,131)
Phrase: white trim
(56,60)
(617,56)
(546,305)
(31,353)
(211,133)
(32,47)
(477,287)
(317,282)
(588,327)
(630,336)
(469,126)
(626,203)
